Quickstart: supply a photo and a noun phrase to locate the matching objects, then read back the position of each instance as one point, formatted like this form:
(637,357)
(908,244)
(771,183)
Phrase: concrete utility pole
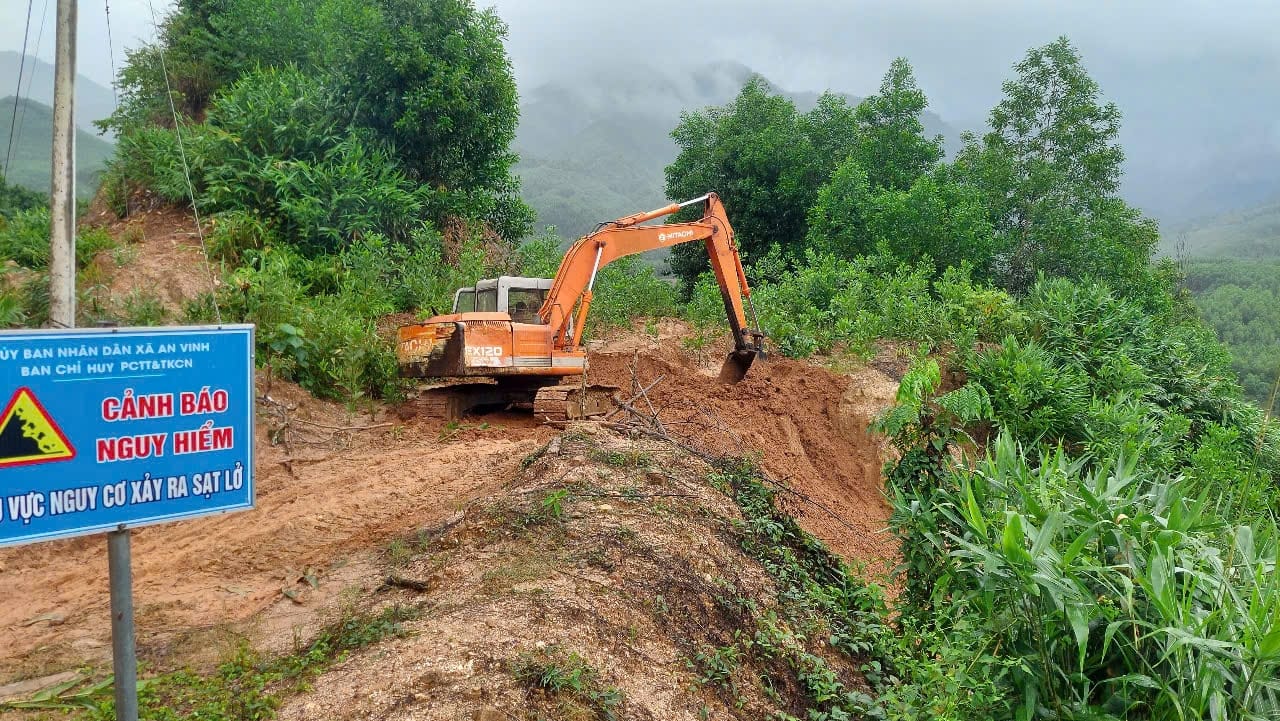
(62,201)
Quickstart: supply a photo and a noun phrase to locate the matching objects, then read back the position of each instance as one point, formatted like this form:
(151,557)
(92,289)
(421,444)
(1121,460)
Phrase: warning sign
(28,435)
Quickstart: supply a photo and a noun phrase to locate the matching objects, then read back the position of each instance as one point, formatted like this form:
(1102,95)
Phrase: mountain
(1253,233)
(594,147)
(33,149)
(93,101)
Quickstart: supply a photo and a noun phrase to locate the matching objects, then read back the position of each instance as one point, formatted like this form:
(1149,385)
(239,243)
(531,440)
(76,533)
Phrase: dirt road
(335,488)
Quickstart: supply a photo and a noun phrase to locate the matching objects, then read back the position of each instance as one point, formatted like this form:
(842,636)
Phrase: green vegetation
(351,161)
(1036,194)
(1115,532)
(1241,301)
(15,198)
(24,283)
(33,149)
(1253,233)
(567,680)
(247,686)
(1087,524)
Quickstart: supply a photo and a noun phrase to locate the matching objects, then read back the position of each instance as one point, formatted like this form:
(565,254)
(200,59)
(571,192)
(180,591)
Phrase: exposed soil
(335,487)
(328,501)
(808,424)
(338,489)
(638,573)
(163,258)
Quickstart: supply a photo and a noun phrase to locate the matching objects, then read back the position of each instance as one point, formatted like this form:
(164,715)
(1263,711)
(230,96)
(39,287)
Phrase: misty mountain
(1251,234)
(33,149)
(594,148)
(93,101)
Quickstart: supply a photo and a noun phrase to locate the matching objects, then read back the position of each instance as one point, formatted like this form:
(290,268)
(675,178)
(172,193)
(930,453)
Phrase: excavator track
(451,402)
(563,403)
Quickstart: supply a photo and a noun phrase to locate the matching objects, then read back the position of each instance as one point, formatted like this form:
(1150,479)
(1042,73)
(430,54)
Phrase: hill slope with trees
(593,148)
(1083,498)
(33,149)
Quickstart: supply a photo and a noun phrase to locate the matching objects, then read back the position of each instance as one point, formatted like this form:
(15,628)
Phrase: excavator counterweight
(518,341)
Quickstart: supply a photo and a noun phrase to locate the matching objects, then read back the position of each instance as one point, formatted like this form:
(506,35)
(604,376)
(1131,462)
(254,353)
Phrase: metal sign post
(124,657)
(107,429)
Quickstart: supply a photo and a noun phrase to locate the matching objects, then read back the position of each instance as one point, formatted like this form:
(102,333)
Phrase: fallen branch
(394,581)
(627,403)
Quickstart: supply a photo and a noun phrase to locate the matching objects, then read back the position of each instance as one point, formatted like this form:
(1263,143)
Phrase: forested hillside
(1240,300)
(93,101)
(1083,498)
(1251,234)
(33,148)
(593,147)
(1087,523)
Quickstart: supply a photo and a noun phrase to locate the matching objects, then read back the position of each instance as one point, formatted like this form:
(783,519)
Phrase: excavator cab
(519,297)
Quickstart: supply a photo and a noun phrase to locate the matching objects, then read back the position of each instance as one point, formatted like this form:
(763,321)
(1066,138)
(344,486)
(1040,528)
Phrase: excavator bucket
(736,365)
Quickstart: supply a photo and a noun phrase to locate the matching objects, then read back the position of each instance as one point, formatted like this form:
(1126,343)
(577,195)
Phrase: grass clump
(567,684)
(247,686)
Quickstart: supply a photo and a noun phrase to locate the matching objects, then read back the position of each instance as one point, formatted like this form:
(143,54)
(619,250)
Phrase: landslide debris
(808,426)
(612,578)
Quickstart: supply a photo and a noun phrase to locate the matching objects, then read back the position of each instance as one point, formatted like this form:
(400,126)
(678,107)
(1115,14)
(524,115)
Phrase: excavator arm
(571,290)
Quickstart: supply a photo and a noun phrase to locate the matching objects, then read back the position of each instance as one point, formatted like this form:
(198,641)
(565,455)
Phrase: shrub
(1116,589)
(625,289)
(151,159)
(1033,395)
(829,303)
(275,147)
(24,238)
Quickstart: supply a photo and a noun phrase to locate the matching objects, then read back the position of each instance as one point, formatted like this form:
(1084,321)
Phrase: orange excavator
(518,341)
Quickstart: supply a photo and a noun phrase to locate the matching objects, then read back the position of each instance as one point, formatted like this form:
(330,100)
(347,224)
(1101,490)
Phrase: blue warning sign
(107,428)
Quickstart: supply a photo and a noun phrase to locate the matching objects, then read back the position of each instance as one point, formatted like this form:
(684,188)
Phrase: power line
(44,15)
(186,168)
(22,63)
(111,52)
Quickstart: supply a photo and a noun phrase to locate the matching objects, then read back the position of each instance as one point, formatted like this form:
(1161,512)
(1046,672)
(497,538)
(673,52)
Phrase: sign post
(107,429)
(124,656)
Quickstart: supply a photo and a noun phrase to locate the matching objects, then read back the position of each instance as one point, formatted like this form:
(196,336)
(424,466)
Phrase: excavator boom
(626,236)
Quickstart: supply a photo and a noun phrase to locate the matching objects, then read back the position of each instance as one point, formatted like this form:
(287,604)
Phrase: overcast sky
(1190,76)
(961,49)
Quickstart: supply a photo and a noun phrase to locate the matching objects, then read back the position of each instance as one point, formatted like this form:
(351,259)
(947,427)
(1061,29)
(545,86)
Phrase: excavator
(514,341)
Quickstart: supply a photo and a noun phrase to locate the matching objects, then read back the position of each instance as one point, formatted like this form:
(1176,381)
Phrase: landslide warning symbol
(28,435)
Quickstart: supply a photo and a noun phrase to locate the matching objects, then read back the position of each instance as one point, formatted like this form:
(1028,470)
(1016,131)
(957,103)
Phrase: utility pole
(62,314)
(62,200)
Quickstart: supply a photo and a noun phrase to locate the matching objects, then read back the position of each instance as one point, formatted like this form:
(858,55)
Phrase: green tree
(435,82)
(14,199)
(879,152)
(429,78)
(832,127)
(756,154)
(837,220)
(936,218)
(1050,169)
(889,142)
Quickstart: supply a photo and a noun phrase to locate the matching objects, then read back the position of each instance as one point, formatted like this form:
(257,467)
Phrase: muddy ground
(336,487)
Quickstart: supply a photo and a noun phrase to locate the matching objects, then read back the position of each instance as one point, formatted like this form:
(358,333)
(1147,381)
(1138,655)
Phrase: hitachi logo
(664,237)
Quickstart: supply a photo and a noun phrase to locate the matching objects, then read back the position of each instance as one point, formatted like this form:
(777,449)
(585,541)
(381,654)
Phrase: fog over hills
(93,100)
(1195,81)
(594,148)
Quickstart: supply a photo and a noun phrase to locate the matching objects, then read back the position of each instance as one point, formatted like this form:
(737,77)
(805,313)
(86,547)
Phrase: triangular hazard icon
(29,435)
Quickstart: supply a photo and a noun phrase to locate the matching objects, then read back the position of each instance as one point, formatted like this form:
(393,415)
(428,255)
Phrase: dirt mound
(606,581)
(160,256)
(807,424)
